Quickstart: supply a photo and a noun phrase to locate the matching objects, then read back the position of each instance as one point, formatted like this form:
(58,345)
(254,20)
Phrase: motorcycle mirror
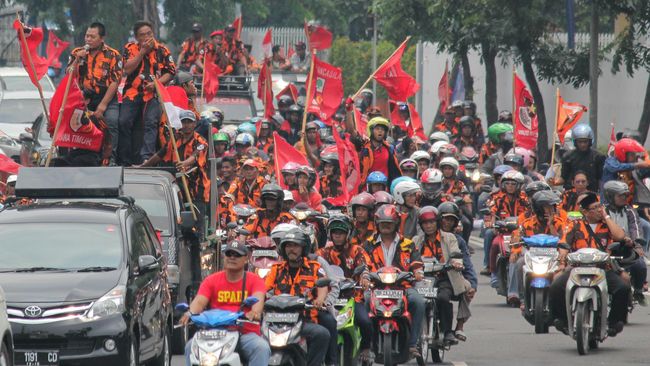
(251,300)
(231,225)
(456,255)
(359,270)
(485,211)
(182,306)
(323,282)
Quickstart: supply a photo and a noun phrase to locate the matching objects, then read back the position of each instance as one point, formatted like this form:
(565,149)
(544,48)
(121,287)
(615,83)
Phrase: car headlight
(109,304)
(342,318)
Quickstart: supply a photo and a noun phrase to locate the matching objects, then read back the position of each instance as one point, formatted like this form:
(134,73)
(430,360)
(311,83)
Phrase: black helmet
(614,187)
(544,198)
(505,116)
(339,222)
(512,159)
(449,209)
(272,190)
(466,121)
(468,104)
(534,187)
(285,100)
(295,108)
(297,236)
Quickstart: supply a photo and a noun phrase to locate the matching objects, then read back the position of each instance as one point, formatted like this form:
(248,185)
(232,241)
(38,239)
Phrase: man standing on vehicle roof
(192,49)
(227,290)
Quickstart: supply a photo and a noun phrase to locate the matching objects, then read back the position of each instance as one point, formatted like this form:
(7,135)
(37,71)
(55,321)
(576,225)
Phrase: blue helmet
(501,169)
(582,131)
(319,123)
(376,177)
(247,127)
(396,181)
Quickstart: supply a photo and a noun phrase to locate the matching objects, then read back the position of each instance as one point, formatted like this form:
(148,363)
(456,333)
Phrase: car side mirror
(25,137)
(323,282)
(187,220)
(147,263)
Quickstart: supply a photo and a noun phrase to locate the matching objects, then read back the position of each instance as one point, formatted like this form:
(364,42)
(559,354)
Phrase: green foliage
(212,14)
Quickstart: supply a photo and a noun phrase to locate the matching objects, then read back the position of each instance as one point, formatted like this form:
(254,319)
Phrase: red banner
(34,37)
(211,78)
(327,90)
(525,116)
(361,121)
(398,84)
(7,165)
(568,115)
(237,24)
(349,168)
(413,126)
(267,44)
(444,92)
(289,90)
(319,37)
(283,153)
(265,90)
(55,46)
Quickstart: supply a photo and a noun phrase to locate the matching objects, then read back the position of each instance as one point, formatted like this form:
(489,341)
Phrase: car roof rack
(234,83)
(77,182)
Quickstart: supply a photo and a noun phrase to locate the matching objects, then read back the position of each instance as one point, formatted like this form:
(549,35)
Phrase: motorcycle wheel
(388,349)
(540,318)
(346,352)
(583,316)
(425,339)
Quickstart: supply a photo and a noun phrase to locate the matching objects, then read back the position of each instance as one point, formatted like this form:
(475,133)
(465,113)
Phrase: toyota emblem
(33,311)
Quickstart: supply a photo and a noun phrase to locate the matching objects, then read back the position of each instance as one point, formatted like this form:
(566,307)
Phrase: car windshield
(151,197)
(20,110)
(234,108)
(66,246)
(23,83)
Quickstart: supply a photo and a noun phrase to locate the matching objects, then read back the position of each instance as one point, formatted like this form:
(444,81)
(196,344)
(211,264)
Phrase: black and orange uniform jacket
(192,51)
(198,180)
(348,258)
(330,186)
(366,160)
(570,200)
(451,131)
(488,149)
(97,72)
(531,226)
(233,50)
(454,187)
(432,248)
(503,205)
(261,225)
(250,194)
(157,62)
(362,232)
(406,258)
(265,144)
(295,281)
(580,235)
(460,142)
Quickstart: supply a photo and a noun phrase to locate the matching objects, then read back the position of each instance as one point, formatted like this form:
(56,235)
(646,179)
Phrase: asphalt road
(499,335)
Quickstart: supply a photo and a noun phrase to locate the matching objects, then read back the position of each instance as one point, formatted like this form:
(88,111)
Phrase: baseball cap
(185,114)
(218,32)
(183,77)
(196,27)
(237,247)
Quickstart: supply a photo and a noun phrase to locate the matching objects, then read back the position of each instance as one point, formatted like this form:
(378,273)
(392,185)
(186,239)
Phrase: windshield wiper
(97,269)
(38,269)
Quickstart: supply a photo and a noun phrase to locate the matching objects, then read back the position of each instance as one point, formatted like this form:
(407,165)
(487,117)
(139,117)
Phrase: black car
(85,282)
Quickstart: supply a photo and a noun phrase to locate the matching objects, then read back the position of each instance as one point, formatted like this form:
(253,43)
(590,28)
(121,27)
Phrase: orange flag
(568,115)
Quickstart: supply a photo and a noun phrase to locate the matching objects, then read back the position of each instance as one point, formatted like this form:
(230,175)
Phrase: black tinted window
(152,198)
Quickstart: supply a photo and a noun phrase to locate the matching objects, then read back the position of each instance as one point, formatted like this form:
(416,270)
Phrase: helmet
(435,148)
(431,175)
(534,187)
(408,163)
(288,196)
(438,136)
(377,121)
(627,145)
(466,121)
(419,155)
(468,154)
(247,127)
(427,213)
(250,162)
(397,181)
(214,115)
(285,100)
(501,169)
(311,126)
(449,209)
(614,187)
(403,188)
(244,139)
(582,131)
(295,108)
(525,153)
(513,176)
(448,150)
(382,198)
(221,137)
(449,161)
(309,172)
(515,159)
(387,213)
(457,104)
(290,168)
(271,190)
(330,155)
(339,222)
(544,198)
(505,116)
(496,130)
(230,130)
(469,104)
(294,235)
(376,177)
(367,92)
(363,199)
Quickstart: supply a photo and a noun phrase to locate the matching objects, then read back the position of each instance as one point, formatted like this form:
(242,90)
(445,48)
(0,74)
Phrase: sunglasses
(232,254)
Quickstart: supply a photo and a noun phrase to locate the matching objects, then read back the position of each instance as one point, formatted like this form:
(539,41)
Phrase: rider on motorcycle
(582,235)
(349,256)
(407,194)
(362,207)
(376,182)
(270,214)
(227,290)
(431,180)
(388,248)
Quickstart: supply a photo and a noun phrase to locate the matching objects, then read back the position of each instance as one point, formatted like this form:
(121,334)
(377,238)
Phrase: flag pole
(382,65)
(23,40)
(514,105)
(557,115)
(205,58)
(186,189)
(308,100)
(60,117)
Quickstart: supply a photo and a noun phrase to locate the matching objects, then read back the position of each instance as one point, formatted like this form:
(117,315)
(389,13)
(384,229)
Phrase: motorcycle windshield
(541,240)
(216,318)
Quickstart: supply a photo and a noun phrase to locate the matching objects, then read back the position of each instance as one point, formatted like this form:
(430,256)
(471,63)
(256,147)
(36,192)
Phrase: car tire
(5,356)
(165,357)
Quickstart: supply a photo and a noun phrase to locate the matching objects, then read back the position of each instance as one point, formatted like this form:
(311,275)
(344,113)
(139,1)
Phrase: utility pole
(593,70)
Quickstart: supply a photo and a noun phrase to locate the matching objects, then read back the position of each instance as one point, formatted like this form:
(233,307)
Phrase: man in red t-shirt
(225,290)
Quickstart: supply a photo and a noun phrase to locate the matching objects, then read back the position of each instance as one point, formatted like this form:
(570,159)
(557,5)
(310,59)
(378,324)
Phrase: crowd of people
(415,198)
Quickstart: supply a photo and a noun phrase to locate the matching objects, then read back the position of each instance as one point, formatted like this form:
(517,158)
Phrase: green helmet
(497,129)
(221,137)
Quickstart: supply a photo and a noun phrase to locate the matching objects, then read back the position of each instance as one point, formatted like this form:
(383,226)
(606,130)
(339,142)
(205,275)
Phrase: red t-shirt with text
(227,295)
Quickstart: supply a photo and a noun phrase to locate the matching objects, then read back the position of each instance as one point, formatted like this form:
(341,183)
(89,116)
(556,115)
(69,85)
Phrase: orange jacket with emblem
(156,63)
(249,194)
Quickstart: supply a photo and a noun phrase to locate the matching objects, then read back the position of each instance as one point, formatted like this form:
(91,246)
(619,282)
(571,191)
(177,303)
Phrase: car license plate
(388,294)
(428,292)
(36,358)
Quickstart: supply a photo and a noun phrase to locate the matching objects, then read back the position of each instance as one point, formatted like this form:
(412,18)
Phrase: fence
(284,37)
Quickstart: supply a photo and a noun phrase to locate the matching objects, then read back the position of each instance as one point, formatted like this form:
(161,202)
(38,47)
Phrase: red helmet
(627,145)
(427,213)
(387,213)
(448,150)
(309,172)
(383,197)
(363,199)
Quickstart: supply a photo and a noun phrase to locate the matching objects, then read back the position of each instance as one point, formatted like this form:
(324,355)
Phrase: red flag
(283,153)
(444,92)
(290,52)
(55,46)
(289,90)
(7,165)
(267,44)
(525,116)
(319,37)
(237,24)
(76,129)
(327,89)
(612,142)
(171,110)
(265,90)
(178,96)
(413,126)
(33,39)
(568,115)
(398,84)
(361,121)
(349,168)
(211,79)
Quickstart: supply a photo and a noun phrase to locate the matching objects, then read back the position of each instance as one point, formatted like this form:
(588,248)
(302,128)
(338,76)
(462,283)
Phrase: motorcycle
(502,241)
(540,263)
(390,316)
(282,324)
(264,255)
(217,335)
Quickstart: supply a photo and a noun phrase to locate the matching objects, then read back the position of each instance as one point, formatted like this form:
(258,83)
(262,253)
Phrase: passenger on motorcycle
(349,256)
(517,162)
(409,168)
(407,194)
(227,290)
(500,134)
(376,182)
(330,180)
(431,180)
(297,275)
(362,207)
(288,172)
(595,230)
(423,159)
(570,196)
(388,248)
(467,136)
(306,192)
(247,189)
(530,189)
(262,223)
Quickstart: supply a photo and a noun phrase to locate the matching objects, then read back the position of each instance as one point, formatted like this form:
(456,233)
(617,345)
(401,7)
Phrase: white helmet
(419,155)
(403,188)
(12,178)
(449,161)
(407,162)
(288,196)
(230,130)
(438,136)
(568,141)
(435,148)
(245,138)
(514,176)
(431,175)
(278,232)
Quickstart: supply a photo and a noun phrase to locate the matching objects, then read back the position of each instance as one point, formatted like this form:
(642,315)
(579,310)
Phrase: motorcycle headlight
(588,280)
(388,278)
(109,304)
(209,359)
(342,318)
(279,339)
(540,268)
(262,272)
